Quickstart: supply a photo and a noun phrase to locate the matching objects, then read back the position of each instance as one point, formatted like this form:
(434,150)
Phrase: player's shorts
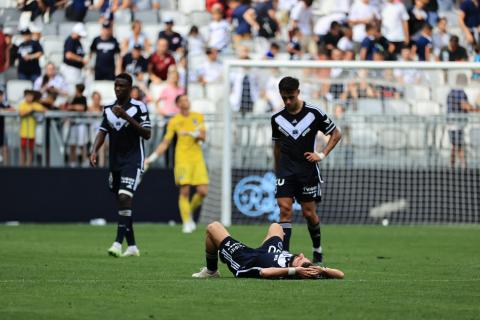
(456,137)
(125,181)
(193,173)
(272,244)
(302,190)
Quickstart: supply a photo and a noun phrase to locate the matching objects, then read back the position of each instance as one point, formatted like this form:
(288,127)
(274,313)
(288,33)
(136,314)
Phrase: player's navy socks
(122,224)
(129,235)
(287,230)
(212,261)
(314,231)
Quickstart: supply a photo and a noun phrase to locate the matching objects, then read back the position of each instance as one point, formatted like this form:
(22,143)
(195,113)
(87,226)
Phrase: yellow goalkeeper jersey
(188,148)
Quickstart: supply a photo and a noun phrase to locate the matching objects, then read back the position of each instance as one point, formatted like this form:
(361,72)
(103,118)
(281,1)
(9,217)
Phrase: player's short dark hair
(290,263)
(126,77)
(80,87)
(288,84)
(427,26)
(275,45)
(177,98)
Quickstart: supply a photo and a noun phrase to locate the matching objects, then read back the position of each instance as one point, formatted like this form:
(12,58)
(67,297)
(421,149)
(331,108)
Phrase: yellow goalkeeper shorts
(193,173)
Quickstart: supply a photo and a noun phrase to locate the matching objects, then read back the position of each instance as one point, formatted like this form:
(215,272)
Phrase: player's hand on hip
(119,112)
(93,160)
(312,157)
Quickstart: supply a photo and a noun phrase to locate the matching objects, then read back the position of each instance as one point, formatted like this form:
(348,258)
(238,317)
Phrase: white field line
(183,279)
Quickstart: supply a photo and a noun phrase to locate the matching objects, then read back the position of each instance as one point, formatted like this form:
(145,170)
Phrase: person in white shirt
(245,88)
(346,43)
(218,30)
(51,82)
(361,13)
(407,76)
(395,24)
(301,17)
(211,70)
(440,37)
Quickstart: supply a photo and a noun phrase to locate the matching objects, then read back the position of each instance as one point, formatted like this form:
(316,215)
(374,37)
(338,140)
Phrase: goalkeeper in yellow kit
(190,169)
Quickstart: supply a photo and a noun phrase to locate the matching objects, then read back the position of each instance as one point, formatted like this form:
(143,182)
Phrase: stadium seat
(200,18)
(56,58)
(203,106)
(426,108)
(121,31)
(15,90)
(147,16)
(417,136)
(52,44)
(93,30)
(473,93)
(65,29)
(392,138)
(195,61)
(196,91)
(434,78)
(215,92)
(397,107)
(182,29)
(50,29)
(179,18)
(363,137)
(474,137)
(417,93)
(452,76)
(187,6)
(167,4)
(105,88)
(151,31)
(9,14)
(58,16)
(92,16)
(369,106)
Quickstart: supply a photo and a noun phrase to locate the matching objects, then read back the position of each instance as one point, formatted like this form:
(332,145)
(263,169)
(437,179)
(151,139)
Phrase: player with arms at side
(294,131)
(190,169)
(268,261)
(127,124)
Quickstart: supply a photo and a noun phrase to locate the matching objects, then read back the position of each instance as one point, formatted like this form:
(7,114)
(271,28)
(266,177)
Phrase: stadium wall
(78,195)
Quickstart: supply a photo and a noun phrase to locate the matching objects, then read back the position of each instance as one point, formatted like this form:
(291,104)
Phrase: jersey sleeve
(325,123)
(201,122)
(249,273)
(104,124)
(144,119)
(275,131)
(170,129)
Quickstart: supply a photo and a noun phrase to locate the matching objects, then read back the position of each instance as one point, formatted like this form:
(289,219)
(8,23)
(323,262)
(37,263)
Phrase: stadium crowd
(67,49)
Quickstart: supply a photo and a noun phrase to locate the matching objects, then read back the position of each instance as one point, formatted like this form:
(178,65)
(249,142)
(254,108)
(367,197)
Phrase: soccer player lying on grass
(267,261)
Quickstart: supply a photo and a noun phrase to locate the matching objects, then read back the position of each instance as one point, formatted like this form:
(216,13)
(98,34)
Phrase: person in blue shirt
(107,51)
(423,45)
(469,20)
(74,55)
(243,16)
(28,55)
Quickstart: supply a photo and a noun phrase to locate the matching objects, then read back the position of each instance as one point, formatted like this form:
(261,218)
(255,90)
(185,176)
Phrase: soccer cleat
(131,252)
(189,227)
(317,258)
(115,251)
(204,273)
(193,225)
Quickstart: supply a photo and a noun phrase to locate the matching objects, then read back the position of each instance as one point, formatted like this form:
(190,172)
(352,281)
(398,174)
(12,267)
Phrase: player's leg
(114,184)
(197,199)
(184,207)
(275,230)
(285,205)
(309,211)
(214,236)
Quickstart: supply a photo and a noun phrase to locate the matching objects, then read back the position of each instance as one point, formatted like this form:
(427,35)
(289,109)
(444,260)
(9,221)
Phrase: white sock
(117,245)
(318,250)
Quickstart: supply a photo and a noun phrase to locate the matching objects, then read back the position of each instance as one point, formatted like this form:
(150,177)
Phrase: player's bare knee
(202,191)
(213,226)
(285,212)
(275,229)
(185,191)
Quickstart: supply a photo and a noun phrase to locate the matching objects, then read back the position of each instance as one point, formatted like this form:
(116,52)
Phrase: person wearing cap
(107,51)
(175,40)
(74,56)
(134,63)
(28,55)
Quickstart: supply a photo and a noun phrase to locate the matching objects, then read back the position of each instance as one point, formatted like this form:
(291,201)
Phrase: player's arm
(276,154)
(161,148)
(298,272)
(335,137)
(97,144)
(144,132)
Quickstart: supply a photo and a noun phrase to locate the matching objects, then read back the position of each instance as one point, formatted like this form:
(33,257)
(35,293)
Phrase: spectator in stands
(358,89)
(330,40)
(346,43)
(301,16)
(476,58)
(273,51)
(266,18)
(407,76)
(440,36)
(294,46)
(137,37)
(145,5)
(4,57)
(218,31)
(335,89)
(469,20)
(135,64)
(28,123)
(211,70)
(195,41)
(166,105)
(105,8)
(95,103)
(78,134)
(159,62)
(36,32)
(388,90)
(51,82)
(28,55)
(243,17)
(244,83)
(77,10)
(417,18)
(74,56)
(138,94)
(174,39)
(374,41)
(395,24)
(431,7)
(96,106)
(453,52)
(3,142)
(33,10)
(361,14)
(423,44)
(457,103)
(107,54)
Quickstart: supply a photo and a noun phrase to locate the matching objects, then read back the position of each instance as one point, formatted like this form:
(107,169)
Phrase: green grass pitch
(63,272)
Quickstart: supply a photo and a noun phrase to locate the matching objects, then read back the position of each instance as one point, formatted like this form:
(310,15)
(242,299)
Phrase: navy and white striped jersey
(296,135)
(126,145)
